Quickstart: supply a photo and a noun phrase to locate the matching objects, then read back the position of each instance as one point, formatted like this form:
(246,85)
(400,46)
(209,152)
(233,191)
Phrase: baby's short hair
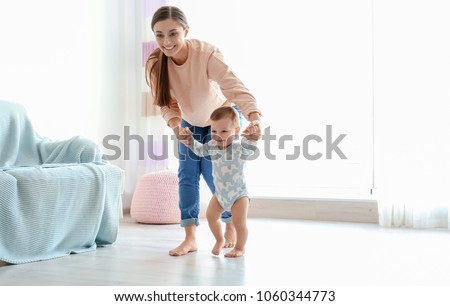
(226,112)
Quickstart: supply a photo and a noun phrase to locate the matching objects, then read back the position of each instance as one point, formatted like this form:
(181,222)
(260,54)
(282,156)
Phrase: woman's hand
(185,136)
(253,131)
(175,125)
(176,131)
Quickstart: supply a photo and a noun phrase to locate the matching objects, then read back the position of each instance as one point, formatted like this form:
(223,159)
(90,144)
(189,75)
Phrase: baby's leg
(230,235)
(239,210)
(213,215)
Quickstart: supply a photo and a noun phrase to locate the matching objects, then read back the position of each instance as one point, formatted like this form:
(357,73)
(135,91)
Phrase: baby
(228,156)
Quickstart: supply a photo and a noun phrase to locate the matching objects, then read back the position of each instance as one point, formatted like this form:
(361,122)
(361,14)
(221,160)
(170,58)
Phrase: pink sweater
(202,84)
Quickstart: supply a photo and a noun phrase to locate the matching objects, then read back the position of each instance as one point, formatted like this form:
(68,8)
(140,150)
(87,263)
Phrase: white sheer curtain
(142,130)
(48,64)
(142,119)
(412,77)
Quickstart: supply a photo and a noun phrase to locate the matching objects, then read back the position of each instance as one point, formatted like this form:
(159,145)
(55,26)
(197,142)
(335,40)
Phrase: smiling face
(170,37)
(223,132)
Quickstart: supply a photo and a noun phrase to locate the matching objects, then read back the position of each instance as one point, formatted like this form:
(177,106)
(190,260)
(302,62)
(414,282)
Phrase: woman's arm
(235,91)
(171,115)
(175,125)
(232,87)
(254,116)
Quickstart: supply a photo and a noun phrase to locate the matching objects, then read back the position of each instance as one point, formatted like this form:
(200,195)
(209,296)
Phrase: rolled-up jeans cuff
(188,222)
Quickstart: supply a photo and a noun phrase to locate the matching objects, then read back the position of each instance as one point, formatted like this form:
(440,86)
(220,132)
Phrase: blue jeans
(190,168)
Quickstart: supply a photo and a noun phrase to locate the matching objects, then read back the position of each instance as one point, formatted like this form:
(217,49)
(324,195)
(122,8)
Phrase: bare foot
(185,247)
(230,235)
(217,247)
(235,253)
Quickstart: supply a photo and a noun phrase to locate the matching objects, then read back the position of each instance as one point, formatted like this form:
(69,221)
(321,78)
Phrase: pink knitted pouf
(155,200)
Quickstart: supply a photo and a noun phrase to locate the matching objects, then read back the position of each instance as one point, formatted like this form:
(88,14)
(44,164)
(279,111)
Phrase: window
(309,64)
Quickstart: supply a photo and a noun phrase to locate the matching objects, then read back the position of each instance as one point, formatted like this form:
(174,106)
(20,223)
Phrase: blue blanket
(56,198)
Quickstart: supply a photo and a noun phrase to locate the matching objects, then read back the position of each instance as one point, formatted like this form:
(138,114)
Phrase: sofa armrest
(74,150)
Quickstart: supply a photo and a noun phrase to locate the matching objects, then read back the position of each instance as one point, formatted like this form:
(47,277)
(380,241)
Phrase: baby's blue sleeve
(248,147)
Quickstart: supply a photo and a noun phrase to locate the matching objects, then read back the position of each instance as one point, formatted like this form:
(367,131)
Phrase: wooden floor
(279,252)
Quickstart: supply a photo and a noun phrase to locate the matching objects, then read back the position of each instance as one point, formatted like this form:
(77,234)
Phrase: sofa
(56,197)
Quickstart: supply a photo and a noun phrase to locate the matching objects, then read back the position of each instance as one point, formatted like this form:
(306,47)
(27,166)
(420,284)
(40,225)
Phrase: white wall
(62,60)
(412,99)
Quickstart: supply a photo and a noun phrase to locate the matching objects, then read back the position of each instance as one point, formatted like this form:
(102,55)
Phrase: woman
(189,80)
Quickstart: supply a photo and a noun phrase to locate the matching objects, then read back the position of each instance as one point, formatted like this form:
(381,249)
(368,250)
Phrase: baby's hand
(185,136)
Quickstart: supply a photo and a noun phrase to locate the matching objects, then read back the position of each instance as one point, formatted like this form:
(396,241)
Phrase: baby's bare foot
(230,235)
(185,247)
(218,247)
(235,253)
